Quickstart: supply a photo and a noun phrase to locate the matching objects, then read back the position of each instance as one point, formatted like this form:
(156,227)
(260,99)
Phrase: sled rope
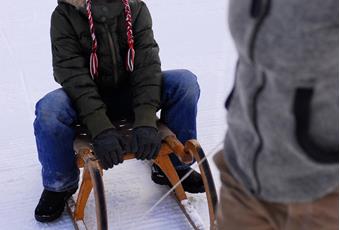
(179,182)
(130,57)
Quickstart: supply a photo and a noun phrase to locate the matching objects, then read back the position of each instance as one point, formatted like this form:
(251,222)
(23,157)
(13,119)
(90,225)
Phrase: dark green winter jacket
(71,49)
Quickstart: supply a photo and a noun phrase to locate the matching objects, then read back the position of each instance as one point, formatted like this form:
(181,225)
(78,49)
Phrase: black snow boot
(193,183)
(51,205)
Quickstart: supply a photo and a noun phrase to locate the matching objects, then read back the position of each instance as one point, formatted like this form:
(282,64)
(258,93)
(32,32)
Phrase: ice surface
(192,34)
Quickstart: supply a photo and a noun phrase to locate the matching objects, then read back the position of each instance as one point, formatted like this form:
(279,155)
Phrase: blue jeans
(55,132)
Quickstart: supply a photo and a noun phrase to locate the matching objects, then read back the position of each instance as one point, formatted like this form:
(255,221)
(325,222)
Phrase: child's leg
(55,133)
(180,94)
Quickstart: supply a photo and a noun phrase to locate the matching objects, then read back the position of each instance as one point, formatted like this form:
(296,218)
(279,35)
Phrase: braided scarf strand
(130,58)
(93,57)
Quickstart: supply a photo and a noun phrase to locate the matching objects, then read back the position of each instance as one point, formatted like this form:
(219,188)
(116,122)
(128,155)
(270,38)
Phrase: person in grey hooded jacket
(279,167)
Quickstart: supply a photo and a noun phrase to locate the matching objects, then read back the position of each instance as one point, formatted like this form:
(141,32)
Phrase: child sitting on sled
(106,60)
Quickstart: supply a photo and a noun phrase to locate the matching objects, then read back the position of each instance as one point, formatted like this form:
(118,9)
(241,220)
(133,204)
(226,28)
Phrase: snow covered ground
(192,34)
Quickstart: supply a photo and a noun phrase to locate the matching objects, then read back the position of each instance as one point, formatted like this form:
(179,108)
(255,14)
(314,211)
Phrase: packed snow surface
(192,34)
(193,214)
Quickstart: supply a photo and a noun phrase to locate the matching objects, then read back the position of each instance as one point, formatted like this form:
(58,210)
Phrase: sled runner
(92,176)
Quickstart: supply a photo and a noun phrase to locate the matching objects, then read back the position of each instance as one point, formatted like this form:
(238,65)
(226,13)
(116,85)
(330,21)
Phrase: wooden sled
(92,176)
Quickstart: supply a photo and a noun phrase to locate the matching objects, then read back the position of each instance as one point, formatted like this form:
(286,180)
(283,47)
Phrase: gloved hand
(109,148)
(145,142)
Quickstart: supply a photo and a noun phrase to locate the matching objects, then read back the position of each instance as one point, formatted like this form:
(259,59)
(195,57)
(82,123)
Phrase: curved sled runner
(92,176)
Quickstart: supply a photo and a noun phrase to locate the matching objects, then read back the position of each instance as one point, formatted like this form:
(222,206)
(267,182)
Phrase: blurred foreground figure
(279,167)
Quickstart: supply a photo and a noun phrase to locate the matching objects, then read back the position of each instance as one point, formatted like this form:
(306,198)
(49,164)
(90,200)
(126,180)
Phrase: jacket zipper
(258,150)
(259,10)
(112,51)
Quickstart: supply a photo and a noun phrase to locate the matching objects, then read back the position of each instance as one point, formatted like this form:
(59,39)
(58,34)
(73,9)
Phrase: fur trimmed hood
(76,3)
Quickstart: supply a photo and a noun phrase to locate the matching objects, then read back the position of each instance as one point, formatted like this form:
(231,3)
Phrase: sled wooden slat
(196,150)
(84,192)
(169,170)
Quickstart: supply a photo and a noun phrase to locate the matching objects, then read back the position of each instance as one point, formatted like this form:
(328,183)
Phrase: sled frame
(92,174)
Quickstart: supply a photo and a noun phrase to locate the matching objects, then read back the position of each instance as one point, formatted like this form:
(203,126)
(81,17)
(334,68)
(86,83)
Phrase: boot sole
(49,218)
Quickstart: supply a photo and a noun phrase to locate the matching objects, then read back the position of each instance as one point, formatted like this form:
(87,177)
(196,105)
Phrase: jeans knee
(52,110)
(189,85)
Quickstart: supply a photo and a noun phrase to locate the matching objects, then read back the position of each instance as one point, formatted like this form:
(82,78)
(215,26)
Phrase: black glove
(109,148)
(145,142)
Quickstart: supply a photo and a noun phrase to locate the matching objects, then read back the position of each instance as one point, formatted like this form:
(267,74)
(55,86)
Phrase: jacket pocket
(302,113)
